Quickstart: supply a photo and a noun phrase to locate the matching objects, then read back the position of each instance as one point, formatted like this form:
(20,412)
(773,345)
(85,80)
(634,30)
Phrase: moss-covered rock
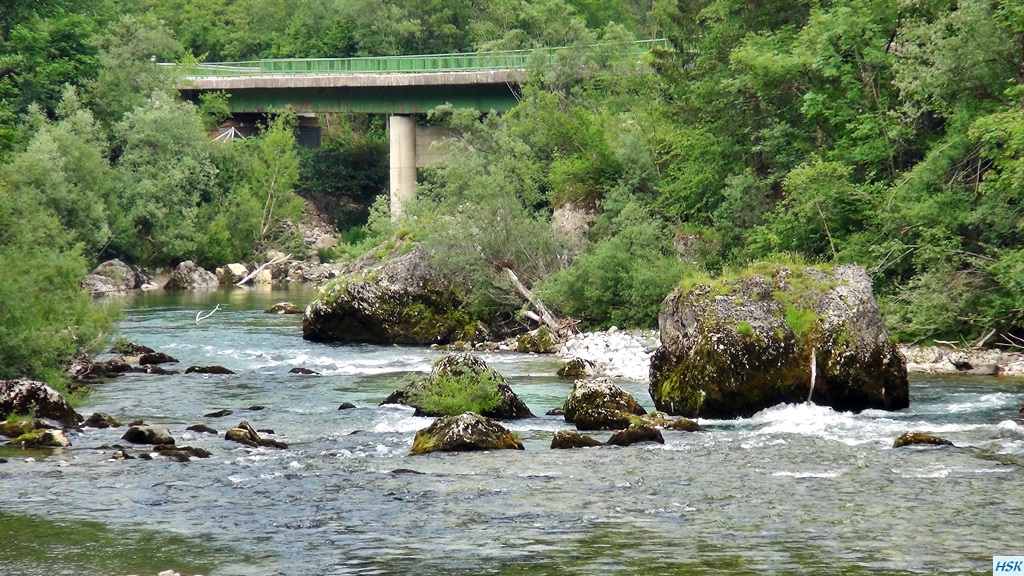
(464,433)
(911,438)
(539,341)
(576,368)
(568,439)
(736,346)
(42,438)
(636,434)
(24,397)
(663,420)
(284,308)
(400,300)
(462,383)
(600,404)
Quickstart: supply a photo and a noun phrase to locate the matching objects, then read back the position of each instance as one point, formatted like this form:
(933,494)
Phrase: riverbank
(627,354)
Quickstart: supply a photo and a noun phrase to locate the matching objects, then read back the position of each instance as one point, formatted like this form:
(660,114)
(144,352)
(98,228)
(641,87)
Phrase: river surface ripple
(792,490)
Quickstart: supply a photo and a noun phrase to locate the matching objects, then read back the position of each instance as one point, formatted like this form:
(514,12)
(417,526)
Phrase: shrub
(453,394)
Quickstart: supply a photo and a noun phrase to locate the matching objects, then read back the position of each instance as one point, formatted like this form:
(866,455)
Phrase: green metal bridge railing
(466,62)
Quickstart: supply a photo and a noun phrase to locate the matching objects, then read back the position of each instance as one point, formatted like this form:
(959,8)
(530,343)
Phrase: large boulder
(600,404)
(461,383)
(189,276)
(402,299)
(143,434)
(464,433)
(733,347)
(113,278)
(29,397)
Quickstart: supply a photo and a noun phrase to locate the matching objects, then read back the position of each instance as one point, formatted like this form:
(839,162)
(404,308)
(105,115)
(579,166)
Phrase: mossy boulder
(23,397)
(42,438)
(663,420)
(569,439)
(461,383)
(576,368)
(402,299)
(464,433)
(733,347)
(539,341)
(911,438)
(600,404)
(636,434)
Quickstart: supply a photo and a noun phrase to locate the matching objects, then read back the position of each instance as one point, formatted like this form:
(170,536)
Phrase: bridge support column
(402,140)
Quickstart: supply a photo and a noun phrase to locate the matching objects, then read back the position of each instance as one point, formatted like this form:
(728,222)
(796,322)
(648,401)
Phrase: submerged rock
(152,358)
(663,420)
(568,439)
(731,348)
(301,370)
(202,429)
(636,434)
(911,438)
(30,397)
(208,370)
(462,383)
(600,404)
(463,433)
(284,308)
(401,300)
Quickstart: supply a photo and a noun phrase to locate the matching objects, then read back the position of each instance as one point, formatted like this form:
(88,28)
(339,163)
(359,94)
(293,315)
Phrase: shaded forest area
(887,133)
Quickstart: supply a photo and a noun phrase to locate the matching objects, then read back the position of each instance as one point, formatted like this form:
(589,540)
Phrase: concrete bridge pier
(402,140)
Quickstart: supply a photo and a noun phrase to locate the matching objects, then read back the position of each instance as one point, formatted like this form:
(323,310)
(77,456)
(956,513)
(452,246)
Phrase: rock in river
(462,383)
(600,404)
(733,347)
(189,276)
(402,299)
(911,438)
(568,439)
(463,433)
(30,397)
(142,434)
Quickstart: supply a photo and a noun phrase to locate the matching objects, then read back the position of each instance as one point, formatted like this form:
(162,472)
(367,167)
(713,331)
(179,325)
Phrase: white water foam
(822,474)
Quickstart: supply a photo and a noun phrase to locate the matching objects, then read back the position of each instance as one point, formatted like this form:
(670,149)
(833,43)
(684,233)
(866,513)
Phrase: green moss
(744,329)
(542,342)
(801,321)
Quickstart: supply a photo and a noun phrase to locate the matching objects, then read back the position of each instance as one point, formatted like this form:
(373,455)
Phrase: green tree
(65,165)
(163,173)
(46,319)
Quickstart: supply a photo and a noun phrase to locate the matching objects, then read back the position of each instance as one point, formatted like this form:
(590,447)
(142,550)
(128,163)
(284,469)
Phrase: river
(791,490)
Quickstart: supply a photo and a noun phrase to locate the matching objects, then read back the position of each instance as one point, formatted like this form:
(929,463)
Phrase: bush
(453,394)
(45,318)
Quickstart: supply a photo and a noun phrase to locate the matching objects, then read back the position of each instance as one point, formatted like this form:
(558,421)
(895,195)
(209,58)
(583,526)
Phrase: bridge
(399,86)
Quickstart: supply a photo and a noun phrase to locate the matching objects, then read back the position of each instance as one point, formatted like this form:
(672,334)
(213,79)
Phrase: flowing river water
(792,490)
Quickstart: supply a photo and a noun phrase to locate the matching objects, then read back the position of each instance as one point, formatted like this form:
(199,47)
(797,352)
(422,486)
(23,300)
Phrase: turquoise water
(792,490)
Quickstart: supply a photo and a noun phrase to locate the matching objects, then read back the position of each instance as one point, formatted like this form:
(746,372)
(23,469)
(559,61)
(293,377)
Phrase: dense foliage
(884,132)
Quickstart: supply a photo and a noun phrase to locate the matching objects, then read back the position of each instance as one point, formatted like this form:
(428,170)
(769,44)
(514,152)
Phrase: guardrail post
(402,141)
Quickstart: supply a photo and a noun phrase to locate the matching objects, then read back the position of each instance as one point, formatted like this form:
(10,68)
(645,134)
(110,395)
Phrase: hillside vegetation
(886,133)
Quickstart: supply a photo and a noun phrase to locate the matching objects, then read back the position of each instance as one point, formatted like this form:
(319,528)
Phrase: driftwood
(542,314)
(200,317)
(253,274)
